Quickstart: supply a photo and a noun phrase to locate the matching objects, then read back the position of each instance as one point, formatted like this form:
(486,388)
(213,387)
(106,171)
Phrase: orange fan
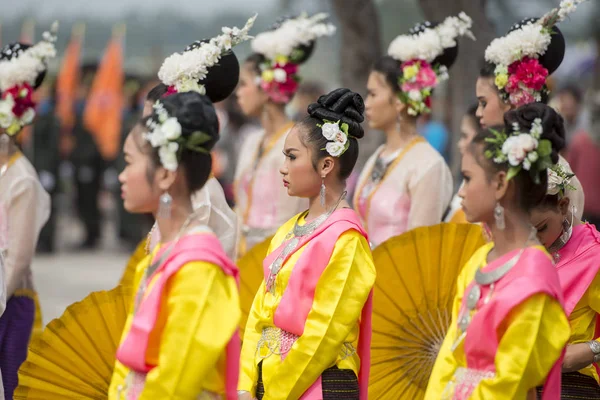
(412,305)
(251,276)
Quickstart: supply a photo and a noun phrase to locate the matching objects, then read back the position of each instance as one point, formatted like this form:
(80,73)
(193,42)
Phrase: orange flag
(104,106)
(68,77)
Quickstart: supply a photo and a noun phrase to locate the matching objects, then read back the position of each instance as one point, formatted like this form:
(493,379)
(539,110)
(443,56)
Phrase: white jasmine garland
(184,70)
(431,42)
(30,63)
(291,34)
(168,156)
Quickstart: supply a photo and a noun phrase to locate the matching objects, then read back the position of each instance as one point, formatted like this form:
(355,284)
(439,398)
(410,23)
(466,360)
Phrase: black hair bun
(555,53)
(222,78)
(194,112)
(341,105)
(448,57)
(552,124)
(14,50)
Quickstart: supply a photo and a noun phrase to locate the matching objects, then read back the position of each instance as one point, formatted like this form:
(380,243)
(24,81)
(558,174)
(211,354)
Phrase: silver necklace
(562,240)
(293,239)
(485,279)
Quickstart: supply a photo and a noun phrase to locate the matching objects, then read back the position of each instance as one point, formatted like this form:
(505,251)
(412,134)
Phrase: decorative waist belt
(463,383)
(135,382)
(280,342)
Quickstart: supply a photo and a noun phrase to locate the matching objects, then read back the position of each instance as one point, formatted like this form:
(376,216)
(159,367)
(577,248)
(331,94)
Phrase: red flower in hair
(527,71)
(23,97)
(170,90)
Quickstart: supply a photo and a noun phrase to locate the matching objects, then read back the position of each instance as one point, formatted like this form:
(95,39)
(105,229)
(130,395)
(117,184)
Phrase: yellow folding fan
(74,356)
(251,276)
(412,305)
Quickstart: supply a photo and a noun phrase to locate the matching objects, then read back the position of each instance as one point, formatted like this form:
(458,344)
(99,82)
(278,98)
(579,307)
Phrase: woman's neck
(517,234)
(333,193)
(170,227)
(395,139)
(273,119)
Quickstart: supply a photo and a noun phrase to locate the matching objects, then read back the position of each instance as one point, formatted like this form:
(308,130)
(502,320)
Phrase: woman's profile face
(491,108)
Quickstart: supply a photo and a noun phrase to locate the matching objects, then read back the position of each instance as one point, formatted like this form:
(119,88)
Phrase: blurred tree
(360,43)
(463,75)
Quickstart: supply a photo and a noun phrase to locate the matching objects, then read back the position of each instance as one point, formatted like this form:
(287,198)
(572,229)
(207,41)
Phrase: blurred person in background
(435,133)
(307,93)
(569,101)
(42,148)
(584,156)
(89,167)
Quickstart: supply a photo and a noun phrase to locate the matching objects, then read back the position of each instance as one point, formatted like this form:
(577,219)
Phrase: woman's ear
(501,185)
(563,206)
(327,165)
(164,178)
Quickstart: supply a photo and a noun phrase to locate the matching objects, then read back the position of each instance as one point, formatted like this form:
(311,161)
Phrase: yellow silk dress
(532,339)
(331,331)
(199,313)
(583,321)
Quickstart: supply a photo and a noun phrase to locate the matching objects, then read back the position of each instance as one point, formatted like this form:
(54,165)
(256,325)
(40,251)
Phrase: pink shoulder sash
(534,273)
(578,265)
(297,299)
(191,248)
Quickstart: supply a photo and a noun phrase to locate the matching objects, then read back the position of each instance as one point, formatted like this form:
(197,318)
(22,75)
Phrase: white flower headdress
(282,49)
(519,76)
(291,34)
(521,150)
(417,51)
(183,71)
(18,74)
(165,134)
(431,41)
(337,137)
(559,179)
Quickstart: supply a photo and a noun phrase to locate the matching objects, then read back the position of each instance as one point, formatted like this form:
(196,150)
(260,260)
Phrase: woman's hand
(577,356)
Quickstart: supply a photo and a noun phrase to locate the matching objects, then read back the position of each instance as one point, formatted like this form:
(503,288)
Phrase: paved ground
(68,276)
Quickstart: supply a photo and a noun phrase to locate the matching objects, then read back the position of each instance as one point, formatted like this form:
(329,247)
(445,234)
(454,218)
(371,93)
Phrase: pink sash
(578,265)
(297,299)
(190,248)
(534,273)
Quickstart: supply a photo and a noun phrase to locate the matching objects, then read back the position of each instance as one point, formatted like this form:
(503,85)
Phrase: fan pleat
(75,355)
(414,291)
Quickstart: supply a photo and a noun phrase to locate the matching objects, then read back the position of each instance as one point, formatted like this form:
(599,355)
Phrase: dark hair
(472,112)
(194,112)
(220,81)
(572,90)
(528,193)
(157,92)
(14,50)
(340,105)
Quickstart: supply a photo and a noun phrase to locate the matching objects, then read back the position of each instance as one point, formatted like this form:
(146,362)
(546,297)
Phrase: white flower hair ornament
(20,68)
(338,138)
(520,75)
(559,180)
(521,150)
(181,72)
(165,134)
(284,49)
(420,52)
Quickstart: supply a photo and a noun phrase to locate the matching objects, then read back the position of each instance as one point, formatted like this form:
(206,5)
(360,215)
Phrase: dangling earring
(398,123)
(323,191)
(164,206)
(499,216)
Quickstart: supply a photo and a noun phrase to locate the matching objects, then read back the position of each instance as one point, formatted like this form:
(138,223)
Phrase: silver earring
(499,216)
(164,206)
(323,192)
